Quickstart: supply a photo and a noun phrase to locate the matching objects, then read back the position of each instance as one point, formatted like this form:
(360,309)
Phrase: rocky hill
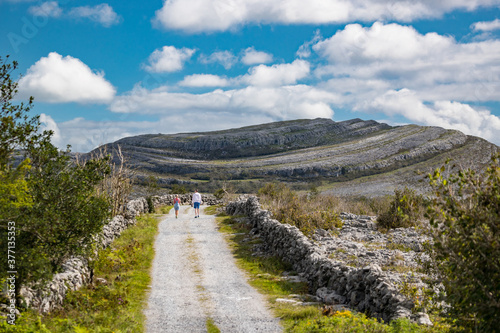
(349,157)
(252,140)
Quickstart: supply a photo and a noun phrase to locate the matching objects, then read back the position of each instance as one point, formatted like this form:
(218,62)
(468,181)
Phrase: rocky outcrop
(306,151)
(252,140)
(75,271)
(367,289)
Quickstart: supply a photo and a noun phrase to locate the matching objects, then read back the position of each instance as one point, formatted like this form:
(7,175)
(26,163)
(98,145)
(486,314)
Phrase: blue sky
(100,71)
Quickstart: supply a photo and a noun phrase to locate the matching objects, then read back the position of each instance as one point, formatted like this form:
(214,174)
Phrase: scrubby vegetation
(50,206)
(51,203)
(465,252)
(406,210)
(463,220)
(311,210)
(116,299)
(305,212)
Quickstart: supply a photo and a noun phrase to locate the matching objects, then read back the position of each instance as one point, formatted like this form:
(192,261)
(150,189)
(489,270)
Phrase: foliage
(346,321)
(51,200)
(16,127)
(313,192)
(64,214)
(304,212)
(465,228)
(404,211)
(152,186)
(220,193)
(16,130)
(13,191)
(114,306)
(151,205)
(178,189)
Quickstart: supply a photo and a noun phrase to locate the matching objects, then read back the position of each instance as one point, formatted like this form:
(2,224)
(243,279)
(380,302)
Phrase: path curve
(194,277)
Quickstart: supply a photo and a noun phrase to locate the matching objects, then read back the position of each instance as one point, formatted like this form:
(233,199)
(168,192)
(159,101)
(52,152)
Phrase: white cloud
(168,59)
(57,79)
(85,135)
(253,57)
(486,25)
(276,75)
(224,58)
(279,103)
(429,79)
(261,75)
(102,13)
(48,124)
(46,9)
(381,42)
(304,50)
(441,113)
(204,80)
(401,57)
(220,15)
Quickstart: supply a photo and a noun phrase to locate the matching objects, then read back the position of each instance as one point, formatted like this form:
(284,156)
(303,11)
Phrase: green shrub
(49,202)
(114,306)
(220,193)
(348,322)
(151,206)
(465,228)
(404,211)
(178,189)
(304,212)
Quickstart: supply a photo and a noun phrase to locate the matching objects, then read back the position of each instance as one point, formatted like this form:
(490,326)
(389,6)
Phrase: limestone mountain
(349,157)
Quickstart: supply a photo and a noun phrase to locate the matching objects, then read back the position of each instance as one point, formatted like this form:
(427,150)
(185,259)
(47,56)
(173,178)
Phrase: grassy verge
(265,274)
(115,302)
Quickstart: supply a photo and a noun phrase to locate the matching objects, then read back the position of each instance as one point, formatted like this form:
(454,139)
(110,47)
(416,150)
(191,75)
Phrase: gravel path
(195,278)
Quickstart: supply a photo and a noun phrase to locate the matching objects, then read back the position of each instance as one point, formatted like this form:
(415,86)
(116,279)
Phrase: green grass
(265,274)
(117,305)
(211,210)
(211,327)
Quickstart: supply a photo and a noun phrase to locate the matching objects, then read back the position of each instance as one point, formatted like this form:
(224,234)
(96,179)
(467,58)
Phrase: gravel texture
(194,278)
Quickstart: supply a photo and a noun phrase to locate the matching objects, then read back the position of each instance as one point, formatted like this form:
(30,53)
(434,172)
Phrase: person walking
(177,205)
(196,203)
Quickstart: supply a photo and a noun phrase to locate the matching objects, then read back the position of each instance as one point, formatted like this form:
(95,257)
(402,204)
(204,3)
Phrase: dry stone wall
(207,199)
(367,289)
(75,271)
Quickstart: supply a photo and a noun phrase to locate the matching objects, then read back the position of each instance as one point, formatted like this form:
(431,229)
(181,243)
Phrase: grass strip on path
(116,299)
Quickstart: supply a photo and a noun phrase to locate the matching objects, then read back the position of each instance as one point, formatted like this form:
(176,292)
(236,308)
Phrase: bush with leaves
(220,193)
(17,129)
(178,189)
(404,211)
(307,214)
(51,200)
(465,255)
